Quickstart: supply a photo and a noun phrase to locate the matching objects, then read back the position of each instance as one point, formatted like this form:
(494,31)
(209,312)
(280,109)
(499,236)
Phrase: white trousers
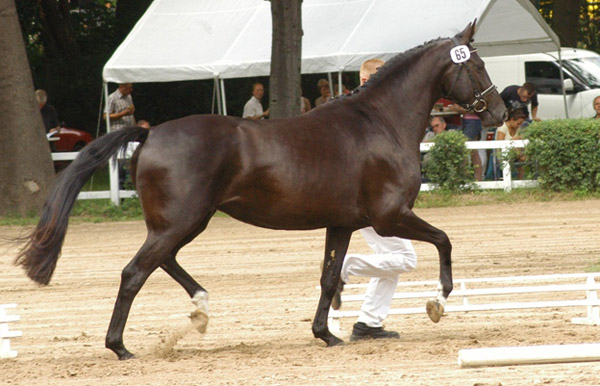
(392,256)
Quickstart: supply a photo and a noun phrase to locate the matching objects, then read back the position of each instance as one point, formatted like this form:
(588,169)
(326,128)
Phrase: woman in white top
(511,130)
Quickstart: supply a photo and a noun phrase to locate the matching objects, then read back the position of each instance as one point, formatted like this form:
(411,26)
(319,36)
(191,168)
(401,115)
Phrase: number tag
(460,54)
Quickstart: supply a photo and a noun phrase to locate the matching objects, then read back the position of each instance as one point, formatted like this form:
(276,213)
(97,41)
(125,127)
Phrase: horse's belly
(290,216)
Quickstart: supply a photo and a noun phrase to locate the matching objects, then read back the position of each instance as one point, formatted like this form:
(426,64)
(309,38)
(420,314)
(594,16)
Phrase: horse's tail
(39,256)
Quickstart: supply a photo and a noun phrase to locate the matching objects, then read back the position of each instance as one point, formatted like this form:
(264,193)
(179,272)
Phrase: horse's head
(467,83)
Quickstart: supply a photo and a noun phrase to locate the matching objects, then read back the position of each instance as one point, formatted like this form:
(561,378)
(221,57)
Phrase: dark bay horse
(351,163)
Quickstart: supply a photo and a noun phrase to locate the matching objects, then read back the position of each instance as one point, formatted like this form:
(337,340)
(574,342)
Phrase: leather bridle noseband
(479,105)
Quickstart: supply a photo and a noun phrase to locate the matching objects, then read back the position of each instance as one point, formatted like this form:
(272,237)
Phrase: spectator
(143,123)
(472,128)
(511,130)
(446,105)
(49,114)
(597,107)
(120,107)
(304,105)
(323,87)
(253,108)
(392,256)
(520,98)
(336,89)
(437,125)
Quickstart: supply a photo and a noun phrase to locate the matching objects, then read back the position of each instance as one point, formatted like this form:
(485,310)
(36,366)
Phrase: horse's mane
(401,60)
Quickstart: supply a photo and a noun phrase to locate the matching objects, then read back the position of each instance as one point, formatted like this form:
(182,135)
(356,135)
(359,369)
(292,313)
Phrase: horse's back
(278,173)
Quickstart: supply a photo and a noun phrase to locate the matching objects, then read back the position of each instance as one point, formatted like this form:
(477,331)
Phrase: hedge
(447,164)
(565,154)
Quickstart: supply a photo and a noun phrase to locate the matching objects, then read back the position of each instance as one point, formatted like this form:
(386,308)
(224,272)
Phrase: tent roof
(201,39)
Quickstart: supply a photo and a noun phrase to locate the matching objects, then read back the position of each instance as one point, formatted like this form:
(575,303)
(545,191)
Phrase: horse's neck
(412,91)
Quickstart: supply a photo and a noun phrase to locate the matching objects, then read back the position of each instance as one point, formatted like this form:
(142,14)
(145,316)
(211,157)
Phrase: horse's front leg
(336,245)
(435,307)
(410,226)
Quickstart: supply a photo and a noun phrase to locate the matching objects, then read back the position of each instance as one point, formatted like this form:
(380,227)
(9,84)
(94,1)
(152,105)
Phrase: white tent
(220,39)
(204,39)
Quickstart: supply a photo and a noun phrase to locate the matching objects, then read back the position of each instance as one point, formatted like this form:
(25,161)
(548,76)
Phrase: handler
(392,256)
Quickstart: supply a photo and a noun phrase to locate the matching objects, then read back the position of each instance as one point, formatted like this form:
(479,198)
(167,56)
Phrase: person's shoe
(336,302)
(361,331)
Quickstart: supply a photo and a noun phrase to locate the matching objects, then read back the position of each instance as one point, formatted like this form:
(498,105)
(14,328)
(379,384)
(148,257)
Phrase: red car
(70,139)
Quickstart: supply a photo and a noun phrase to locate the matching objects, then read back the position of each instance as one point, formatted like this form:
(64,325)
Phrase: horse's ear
(468,33)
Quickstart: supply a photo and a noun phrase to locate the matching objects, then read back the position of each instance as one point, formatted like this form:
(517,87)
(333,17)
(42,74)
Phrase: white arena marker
(529,355)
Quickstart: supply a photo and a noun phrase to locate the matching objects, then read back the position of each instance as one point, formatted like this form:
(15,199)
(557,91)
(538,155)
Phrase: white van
(581,74)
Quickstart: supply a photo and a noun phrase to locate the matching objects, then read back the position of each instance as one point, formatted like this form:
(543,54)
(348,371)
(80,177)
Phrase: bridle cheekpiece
(460,55)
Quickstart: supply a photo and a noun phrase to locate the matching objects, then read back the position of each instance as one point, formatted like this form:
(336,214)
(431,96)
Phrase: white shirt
(252,108)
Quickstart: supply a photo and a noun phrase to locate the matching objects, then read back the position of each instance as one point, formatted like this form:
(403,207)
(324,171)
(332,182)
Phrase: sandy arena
(263,298)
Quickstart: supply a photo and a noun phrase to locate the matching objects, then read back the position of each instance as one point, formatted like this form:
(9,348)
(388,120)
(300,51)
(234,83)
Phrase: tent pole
(113,169)
(330,80)
(218,88)
(214,94)
(224,102)
(562,81)
(340,82)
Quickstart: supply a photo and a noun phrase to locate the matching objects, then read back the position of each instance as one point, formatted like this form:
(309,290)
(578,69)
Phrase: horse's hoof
(126,356)
(435,310)
(335,342)
(199,320)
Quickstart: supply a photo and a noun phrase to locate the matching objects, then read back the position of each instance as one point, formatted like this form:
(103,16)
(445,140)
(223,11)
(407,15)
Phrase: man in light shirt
(253,109)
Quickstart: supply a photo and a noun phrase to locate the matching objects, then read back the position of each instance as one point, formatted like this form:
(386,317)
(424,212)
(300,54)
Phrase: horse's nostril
(505,116)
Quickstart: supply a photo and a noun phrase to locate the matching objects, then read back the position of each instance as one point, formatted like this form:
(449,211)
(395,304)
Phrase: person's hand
(266,113)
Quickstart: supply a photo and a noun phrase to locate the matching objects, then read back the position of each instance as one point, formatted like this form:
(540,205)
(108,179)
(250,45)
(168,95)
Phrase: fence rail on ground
(507,183)
(579,289)
(6,333)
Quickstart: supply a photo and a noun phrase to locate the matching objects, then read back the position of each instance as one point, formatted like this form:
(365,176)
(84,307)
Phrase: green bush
(447,163)
(565,154)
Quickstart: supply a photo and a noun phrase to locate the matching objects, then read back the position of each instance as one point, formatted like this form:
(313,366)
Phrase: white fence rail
(6,333)
(507,183)
(579,289)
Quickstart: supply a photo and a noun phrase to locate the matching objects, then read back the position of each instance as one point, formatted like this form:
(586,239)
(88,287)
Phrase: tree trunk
(565,21)
(59,34)
(26,169)
(286,54)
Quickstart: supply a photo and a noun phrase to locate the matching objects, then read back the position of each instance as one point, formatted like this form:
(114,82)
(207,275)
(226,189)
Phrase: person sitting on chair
(511,130)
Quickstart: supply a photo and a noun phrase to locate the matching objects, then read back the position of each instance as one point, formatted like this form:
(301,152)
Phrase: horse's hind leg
(199,295)
(336,246)
(133,277)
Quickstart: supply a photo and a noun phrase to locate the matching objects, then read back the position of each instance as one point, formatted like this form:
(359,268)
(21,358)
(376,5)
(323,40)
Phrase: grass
(130,209)
(438,199)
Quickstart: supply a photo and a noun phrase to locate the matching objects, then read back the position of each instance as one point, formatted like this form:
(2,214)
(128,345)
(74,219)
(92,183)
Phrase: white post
(528,355)
(113,169)
(506,173)
(5,334)
(463,287)
(593,310)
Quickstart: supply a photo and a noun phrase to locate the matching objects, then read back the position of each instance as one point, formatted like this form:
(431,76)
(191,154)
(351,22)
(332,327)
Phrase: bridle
(479,105)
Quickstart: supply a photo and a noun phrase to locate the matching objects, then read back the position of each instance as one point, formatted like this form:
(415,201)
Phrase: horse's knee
(442,242)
